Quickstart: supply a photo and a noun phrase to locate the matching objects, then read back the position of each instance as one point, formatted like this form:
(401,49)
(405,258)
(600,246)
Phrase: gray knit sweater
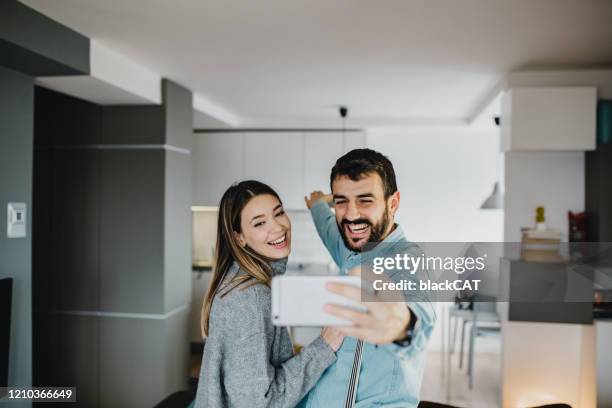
(249,362)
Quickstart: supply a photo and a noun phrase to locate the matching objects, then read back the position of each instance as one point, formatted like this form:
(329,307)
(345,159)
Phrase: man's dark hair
(358,163)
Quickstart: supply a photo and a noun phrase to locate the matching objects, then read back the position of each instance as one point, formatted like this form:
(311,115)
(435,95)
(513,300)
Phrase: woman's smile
(279,243)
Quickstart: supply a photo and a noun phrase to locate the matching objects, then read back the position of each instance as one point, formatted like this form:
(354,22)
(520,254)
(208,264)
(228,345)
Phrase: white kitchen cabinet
(217,160)
(293,163)
(549,119)
(321,150)
(276,158)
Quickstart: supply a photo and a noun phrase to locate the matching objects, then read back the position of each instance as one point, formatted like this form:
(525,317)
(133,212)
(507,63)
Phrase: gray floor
(486,390)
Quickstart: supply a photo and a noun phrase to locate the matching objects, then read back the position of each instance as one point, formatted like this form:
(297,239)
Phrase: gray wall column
(31,44)
(120,231)
(16,151)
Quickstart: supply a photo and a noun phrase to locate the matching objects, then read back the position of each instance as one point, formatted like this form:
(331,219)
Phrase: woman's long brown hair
(228,250)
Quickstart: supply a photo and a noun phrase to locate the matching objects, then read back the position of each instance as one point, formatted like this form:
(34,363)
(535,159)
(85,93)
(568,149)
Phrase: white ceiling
(393,62)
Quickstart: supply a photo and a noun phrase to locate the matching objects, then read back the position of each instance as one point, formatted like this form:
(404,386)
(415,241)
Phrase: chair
(466,316)
(489,280)
(485,322)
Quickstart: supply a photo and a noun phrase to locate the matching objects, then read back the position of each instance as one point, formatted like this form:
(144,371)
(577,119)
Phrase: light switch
(16,220)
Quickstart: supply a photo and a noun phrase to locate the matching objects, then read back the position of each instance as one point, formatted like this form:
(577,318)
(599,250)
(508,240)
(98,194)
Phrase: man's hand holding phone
(383,321)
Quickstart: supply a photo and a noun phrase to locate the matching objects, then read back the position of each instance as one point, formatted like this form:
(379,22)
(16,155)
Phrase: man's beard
(377,231)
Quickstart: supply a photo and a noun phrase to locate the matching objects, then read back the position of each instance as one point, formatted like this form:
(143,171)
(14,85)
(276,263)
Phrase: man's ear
(239,237)
(393,202)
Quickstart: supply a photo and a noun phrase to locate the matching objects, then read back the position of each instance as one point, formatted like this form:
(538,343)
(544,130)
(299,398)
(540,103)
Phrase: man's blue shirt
(390,375)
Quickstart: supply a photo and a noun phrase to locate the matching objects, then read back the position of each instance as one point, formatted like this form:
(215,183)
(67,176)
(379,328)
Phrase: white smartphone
(299,300)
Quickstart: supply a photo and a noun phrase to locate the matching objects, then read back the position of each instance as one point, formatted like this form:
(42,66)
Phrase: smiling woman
(265,227)
(251,218)
(247,360)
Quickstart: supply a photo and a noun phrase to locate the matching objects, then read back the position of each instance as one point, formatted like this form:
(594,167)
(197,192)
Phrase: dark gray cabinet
(598,193)
(547,292)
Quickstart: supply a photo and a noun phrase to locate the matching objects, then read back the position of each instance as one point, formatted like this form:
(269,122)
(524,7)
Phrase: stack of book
(541,245)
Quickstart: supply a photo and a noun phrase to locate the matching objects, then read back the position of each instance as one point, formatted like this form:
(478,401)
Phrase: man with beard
(391,336)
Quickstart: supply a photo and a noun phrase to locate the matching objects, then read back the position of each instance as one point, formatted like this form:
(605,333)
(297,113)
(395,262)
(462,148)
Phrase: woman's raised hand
(332,337)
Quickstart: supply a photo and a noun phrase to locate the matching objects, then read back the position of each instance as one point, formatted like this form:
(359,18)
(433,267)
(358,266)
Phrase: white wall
(545,362)
(306,246)
(552,180)
(443,177)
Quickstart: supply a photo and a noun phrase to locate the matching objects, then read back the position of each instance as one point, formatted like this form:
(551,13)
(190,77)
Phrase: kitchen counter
(201,266)
(306,268)
(312,269)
